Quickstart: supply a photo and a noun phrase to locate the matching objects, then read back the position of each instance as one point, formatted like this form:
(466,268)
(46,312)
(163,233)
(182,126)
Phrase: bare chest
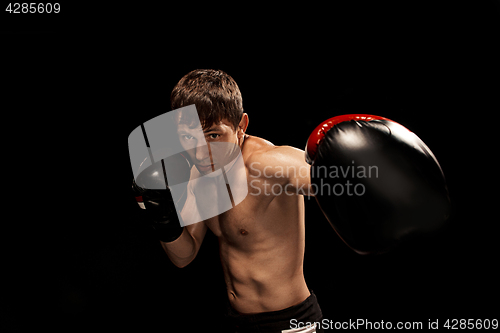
(242,223)
(255,223)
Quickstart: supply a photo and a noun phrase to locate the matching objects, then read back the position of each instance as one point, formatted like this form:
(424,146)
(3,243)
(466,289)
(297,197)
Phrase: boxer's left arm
(282,165)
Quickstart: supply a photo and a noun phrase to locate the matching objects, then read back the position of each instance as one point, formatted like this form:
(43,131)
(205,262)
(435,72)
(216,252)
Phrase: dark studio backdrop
(84,259)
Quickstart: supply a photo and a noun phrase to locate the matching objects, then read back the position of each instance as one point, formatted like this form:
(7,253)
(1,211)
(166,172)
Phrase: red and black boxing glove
(376,182)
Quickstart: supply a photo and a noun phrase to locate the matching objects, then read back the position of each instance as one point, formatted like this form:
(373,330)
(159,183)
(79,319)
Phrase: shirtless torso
(261,243)
(261,240)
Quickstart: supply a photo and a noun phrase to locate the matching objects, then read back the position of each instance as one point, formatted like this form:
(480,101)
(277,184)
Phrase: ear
(242,126)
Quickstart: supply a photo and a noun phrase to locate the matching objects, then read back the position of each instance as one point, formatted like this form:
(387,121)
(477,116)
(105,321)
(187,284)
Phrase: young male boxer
(261,238)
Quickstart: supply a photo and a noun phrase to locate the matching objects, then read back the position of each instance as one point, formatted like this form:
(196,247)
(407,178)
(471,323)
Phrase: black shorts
(294,317)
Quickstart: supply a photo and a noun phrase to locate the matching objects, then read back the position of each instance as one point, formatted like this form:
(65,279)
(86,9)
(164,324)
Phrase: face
(212,148)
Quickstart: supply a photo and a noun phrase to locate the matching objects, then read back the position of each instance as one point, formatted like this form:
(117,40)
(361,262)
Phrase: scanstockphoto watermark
(358,324)
(366,324)
(348,179)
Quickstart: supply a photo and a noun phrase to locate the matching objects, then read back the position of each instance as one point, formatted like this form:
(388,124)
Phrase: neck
(242,141)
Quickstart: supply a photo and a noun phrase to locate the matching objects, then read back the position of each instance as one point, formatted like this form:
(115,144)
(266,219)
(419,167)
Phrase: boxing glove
(376,182)
(159,205)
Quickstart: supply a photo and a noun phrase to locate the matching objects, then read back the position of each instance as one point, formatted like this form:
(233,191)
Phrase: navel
(243,232)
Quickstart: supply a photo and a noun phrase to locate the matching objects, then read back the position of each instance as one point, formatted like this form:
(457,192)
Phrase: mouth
(204,168)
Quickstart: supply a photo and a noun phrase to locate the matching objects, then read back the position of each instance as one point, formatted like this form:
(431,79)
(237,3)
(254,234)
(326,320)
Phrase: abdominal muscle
(263,266)
(255,285)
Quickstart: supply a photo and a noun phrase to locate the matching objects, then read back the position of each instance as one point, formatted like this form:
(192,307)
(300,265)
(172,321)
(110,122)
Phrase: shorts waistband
(305,311)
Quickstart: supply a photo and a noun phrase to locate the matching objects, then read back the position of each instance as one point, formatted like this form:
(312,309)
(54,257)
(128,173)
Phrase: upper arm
(283,165)
(197,231)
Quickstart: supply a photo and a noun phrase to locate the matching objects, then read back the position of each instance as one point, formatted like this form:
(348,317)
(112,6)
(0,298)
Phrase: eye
(187,137)
(213,136)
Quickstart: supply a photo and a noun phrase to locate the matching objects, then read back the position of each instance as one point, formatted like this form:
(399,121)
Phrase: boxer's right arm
(184,249)
(160,211)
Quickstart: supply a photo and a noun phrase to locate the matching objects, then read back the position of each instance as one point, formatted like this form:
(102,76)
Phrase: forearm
(182,250)
(185,248)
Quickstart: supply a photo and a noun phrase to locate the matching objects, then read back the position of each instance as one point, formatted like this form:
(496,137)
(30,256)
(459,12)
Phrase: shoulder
(262,154)
(256,149)
(255,144)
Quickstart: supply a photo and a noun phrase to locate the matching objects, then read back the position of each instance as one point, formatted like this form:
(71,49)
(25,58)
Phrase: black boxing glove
(154,196)
(375,181)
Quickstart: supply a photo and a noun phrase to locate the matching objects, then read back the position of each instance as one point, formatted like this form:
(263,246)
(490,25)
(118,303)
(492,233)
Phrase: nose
(202,153)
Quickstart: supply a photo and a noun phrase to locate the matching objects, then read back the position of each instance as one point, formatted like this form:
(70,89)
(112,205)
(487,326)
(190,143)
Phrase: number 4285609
(33,7)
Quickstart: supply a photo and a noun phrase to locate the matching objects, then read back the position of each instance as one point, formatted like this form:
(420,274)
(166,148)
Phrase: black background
(75,86)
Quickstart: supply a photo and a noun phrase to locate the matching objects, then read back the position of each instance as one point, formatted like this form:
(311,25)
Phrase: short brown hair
(215,94)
